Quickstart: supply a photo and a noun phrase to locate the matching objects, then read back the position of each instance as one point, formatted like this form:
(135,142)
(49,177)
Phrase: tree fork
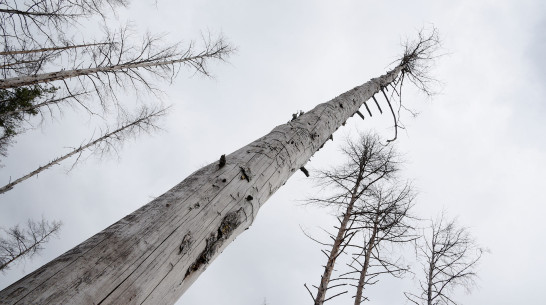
(153,255)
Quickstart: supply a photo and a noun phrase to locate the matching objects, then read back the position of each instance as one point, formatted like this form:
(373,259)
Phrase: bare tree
(367,163)
(61,73)
(107,141)
(153,255)
(383,219)
(115,65)
(117,58)
(374,208)
(20,243)
(449,257)
(32,23)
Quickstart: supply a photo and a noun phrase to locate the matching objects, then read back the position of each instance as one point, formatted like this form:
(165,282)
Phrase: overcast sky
(476,150)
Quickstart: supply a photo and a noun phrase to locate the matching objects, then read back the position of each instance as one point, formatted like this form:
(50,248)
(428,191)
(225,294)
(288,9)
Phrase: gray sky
(476,150)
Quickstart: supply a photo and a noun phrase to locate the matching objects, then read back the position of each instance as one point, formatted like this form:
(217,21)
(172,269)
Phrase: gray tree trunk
(154,254)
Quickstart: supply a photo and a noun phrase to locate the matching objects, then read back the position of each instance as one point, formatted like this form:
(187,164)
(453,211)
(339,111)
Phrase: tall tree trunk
(366,265)
(430,277)
(334,253)
(61,48)
(336,247)
(154,254)
(15,82)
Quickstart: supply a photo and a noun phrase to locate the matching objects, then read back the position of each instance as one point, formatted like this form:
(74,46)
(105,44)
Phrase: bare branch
(449,257)
(108,141)
(23,243)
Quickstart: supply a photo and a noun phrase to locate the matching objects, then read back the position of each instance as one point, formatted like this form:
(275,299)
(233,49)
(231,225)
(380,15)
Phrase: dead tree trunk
(66,74)
(366,265)
(154,254)
(334,253)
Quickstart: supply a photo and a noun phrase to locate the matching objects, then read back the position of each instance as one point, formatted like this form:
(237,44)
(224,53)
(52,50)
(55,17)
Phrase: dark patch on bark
(216,239)
(185,245)
(245,173)
(222,161)
(195,206)
(249,197)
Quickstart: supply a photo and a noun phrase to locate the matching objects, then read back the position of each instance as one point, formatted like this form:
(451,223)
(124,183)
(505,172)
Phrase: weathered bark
(154,254)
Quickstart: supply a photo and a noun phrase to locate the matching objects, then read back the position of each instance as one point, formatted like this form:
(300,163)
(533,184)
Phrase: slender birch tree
(154,254)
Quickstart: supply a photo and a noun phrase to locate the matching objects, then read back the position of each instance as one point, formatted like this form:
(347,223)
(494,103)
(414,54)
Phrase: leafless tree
(106,66)
(87,74)
(154,255)
(110,66)
(33,23)
(449,257)
(20,243)
(367,163)
(108,141)
(383,219)
(116,57)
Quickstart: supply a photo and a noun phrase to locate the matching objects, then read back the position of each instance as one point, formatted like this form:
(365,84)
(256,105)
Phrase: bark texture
(154,254)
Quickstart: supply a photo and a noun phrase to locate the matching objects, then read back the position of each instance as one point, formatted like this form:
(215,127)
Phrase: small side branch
(310,293)
(377,104)
(360,114)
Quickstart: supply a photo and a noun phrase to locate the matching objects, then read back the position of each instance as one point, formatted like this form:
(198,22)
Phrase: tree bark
(154,254)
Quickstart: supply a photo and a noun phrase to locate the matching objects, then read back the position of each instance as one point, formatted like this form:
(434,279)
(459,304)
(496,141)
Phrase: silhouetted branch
(108,141)
(20,243)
